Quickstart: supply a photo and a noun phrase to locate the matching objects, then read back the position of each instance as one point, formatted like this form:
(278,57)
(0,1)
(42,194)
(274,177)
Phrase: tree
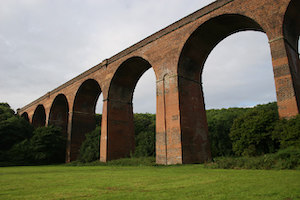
(219,123)
(144,125)
(251,133)
(13,129)
(5,111)
(48,145)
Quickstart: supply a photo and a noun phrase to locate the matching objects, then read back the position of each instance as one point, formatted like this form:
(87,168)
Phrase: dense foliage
(98,119)
(251,133)
(219,124)
(288,158)
(13,129)
(21,144)
(46,146)
(144,126)
(90,148)
(287,132)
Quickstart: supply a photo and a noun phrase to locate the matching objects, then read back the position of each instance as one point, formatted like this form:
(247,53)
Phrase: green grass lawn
(172,182)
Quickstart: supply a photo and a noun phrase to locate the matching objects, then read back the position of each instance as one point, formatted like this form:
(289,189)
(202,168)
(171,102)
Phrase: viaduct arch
(177,54)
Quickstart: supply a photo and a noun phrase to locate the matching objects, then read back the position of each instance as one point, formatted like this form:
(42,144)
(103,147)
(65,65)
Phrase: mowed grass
(146,182)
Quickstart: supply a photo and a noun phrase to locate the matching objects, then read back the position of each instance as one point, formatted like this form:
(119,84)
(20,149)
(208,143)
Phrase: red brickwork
(177,55)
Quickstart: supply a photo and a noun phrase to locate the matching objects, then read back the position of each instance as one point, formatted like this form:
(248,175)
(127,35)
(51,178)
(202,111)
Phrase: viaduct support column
(182,133)
(286,68)
(69,131)
(168,133)
(117,131)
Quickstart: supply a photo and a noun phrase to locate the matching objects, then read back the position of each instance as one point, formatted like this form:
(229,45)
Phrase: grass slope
(144,182)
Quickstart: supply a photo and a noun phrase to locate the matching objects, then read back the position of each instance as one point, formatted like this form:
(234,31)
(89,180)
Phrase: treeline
(21,144)
(233,132)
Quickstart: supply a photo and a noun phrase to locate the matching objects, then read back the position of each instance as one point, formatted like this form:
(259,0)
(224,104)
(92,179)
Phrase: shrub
(288,158)
(141,161)
(287,132)
(284,159)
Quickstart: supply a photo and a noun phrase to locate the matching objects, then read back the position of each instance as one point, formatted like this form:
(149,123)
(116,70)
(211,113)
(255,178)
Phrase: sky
(45,43)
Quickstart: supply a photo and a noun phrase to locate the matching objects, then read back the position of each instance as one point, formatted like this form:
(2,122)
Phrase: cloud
(44,43)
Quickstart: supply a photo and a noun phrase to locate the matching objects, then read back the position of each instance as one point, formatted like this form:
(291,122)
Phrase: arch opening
(195,143)
(59,113)
(248,81)
(25,116)
(39,117)
(83,116)
(121,131)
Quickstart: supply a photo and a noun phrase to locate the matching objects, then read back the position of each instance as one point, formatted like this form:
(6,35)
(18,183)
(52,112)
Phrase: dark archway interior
(195,142)
(291,28)
(25,116)
(291,32)
(59,113)
(126,78)
(120,120)
(39,117)
(83,120)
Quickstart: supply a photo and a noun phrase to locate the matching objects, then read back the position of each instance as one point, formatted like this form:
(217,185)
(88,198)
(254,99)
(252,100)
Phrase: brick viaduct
(177,54)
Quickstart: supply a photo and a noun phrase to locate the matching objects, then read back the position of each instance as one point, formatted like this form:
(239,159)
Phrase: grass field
(145,182)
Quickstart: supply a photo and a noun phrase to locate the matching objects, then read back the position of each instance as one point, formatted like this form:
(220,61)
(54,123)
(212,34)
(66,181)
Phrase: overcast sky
(44,43)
